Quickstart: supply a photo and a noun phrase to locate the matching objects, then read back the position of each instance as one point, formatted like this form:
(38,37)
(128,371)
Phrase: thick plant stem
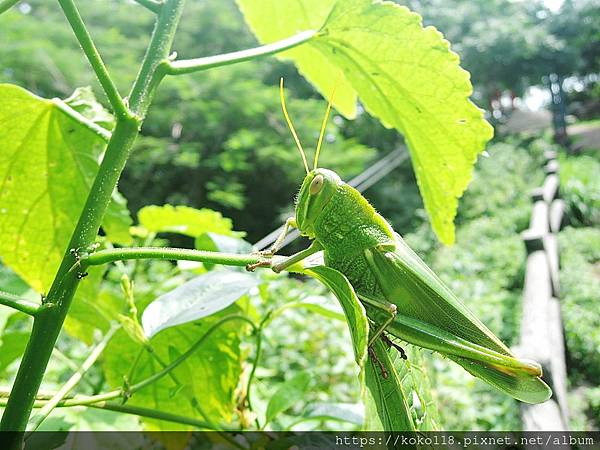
(48,322)
(179,254)
(73,381)
(152,71)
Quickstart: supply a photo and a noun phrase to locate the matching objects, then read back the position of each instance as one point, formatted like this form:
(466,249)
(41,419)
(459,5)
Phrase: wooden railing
(541,327)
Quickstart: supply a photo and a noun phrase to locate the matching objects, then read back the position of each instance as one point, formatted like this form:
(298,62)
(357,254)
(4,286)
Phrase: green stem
(151,5)
(152,413)
(199,64)
(122,254)
(5,5)
(48,321)
(85,40)
(134,410)
(37,420)
(258,332)
(102,132)
(151,71)
(20,304)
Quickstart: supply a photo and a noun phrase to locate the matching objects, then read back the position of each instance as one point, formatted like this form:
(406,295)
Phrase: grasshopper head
(317,189)
(319,185)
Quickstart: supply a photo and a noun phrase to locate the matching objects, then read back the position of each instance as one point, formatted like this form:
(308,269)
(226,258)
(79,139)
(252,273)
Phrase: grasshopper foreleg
(289,223)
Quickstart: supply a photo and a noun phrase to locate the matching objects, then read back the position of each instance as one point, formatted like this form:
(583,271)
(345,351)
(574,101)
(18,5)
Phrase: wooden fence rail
(541,327)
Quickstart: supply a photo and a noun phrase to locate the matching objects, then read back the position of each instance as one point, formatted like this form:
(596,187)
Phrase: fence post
(558,106)
(541,327)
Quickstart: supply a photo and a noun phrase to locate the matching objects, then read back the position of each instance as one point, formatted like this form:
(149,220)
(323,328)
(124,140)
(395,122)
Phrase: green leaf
(94,307)
(347,412)
(310,304)
(209,377)
(416,385)
(49,159)
(185,220)
(200,297)
(287,395)
(84,102)
(287,17)
(12,347)
(404,74)
(117,220)
(215,242)
(386,407)
(353,309)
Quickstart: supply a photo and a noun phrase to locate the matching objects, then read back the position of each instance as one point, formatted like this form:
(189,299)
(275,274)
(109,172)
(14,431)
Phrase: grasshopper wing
(431,316)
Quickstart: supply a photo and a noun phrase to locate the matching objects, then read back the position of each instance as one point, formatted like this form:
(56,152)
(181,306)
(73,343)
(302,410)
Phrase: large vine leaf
(208,378)
(404,74)
(49,157)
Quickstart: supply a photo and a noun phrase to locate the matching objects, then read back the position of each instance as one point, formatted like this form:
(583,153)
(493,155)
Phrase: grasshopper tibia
(373,356)
(391,344)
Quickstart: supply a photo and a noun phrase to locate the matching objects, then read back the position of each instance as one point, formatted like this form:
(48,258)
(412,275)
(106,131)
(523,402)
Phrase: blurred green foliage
(580,285)
(580,188)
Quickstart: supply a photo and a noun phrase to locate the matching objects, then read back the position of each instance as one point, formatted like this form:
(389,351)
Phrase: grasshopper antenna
(323,126)
(291,126)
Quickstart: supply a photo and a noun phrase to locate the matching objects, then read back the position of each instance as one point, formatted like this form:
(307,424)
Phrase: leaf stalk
(180,254)
(18,303)
(150,5)
(185,66)
(87,44)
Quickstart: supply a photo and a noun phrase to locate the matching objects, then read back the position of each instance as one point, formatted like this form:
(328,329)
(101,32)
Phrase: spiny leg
(285,262)
(373,356)
(385,338)
(388,308)
(289,223)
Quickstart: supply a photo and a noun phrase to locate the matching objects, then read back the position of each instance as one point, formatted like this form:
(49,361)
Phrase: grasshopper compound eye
(316,185)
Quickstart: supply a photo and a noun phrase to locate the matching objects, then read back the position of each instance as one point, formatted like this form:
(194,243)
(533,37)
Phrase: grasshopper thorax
(318,188)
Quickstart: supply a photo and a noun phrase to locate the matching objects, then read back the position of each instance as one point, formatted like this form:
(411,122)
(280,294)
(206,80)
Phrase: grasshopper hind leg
(391,344)
(390,311)
(384,373)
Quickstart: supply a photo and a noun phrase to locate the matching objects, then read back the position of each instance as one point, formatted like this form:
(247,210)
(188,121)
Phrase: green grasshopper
(402,296)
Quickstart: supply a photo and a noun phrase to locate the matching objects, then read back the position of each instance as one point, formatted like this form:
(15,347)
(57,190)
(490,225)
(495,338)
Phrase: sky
(553,5)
